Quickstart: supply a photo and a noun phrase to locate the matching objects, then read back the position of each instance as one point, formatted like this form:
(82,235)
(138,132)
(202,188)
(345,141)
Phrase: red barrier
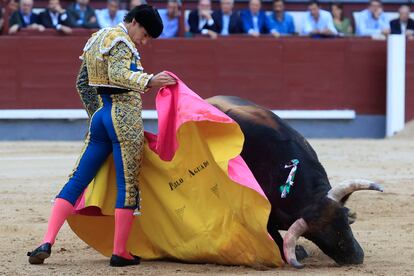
(288,73)
(409,82)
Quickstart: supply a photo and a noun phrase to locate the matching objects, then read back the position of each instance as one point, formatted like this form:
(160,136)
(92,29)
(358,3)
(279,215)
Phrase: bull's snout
(352,256)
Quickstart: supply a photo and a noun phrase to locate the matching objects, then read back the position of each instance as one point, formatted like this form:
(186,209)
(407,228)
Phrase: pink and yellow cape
(200,202)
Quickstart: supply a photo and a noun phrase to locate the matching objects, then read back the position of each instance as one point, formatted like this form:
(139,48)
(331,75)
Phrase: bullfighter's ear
(352,216)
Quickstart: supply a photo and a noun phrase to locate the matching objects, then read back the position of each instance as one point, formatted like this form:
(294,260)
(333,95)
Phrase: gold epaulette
(107,38)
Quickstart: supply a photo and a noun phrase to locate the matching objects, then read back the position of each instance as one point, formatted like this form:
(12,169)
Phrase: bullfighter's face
(137,33)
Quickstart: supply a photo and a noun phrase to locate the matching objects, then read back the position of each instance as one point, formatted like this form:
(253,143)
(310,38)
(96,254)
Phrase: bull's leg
(274,233)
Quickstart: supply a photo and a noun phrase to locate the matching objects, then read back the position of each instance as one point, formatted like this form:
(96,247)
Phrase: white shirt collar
(123,27)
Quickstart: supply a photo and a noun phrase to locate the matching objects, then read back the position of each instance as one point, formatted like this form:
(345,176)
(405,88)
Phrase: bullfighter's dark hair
(148,17)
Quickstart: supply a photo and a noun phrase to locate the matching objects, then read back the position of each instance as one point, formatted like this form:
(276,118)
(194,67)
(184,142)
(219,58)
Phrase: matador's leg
(126,131)
(97,148)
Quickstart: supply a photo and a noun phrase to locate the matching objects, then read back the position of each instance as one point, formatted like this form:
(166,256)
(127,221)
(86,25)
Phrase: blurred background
(332,69)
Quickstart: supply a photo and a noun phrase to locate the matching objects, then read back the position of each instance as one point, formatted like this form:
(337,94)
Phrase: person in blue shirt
(170,19)
(318,22)
(372,21)
(254,20)
(111,16)
(24,18)
(281,21)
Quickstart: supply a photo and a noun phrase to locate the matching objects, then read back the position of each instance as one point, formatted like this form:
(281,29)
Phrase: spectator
(404,24)
(372,21)
(111,16)
(55,17)
(170,19)
(13,6)
(281,21)
(136,3)
(255,21)
(81,15)
(1,20)
(201,20)
(342,24)
(226,21)
(24,18)
(318,22)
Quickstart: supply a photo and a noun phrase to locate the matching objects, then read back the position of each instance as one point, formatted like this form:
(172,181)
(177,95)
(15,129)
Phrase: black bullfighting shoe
(39,255)
(120,261)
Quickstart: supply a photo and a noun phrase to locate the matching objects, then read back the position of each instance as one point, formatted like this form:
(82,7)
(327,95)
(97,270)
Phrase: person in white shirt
(54,17)
(318,22)
(404,24)
(201,20)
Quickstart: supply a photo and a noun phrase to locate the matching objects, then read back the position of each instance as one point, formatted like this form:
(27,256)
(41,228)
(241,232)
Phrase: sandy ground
(31,173)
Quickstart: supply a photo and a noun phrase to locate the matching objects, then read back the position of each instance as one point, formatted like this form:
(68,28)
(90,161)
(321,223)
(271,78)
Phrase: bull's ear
(352,216)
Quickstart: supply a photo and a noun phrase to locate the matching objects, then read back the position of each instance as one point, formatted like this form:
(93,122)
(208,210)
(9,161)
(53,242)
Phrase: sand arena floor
(31,173)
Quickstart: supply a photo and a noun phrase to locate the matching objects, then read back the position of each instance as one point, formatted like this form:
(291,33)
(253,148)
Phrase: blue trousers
(114,128)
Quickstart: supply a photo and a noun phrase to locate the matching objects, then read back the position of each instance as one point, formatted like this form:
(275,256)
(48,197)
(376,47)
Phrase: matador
(110,83)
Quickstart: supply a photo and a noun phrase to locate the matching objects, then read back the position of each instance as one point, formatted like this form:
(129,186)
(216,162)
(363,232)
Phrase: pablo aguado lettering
(174,184)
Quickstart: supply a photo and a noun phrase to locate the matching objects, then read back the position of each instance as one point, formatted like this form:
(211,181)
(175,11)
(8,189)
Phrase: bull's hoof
(300,253)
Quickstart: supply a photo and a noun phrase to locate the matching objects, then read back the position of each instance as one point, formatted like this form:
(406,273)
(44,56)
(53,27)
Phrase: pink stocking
(60,211)
(123,224)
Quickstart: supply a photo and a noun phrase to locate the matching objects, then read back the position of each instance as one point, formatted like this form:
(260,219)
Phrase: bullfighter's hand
(160,80)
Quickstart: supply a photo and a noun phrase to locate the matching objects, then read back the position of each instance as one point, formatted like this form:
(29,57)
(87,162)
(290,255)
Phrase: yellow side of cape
(191,210)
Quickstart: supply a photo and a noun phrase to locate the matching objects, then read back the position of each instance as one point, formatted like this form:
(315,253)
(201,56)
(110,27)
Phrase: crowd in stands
(253,20)
(77,15)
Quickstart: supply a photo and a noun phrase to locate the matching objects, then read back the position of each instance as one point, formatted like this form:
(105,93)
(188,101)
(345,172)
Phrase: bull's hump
(245,110)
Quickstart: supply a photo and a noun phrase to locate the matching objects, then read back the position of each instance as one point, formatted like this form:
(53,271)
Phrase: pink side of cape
(177,105)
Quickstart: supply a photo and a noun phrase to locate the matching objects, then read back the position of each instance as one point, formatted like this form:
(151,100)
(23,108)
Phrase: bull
(303,203)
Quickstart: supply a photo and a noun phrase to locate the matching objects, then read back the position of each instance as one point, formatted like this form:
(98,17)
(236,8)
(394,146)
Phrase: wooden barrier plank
(287,73)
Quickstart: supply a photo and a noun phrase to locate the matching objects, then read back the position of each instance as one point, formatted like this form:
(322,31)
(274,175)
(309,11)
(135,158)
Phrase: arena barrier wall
(39,72)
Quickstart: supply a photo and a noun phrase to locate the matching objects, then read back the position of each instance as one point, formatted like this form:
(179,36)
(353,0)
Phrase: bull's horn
(289,241)
(349,186)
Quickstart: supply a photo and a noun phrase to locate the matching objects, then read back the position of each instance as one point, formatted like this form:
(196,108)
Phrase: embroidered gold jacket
(110,59)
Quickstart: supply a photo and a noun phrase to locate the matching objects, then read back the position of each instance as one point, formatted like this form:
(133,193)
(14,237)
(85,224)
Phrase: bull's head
(327,225)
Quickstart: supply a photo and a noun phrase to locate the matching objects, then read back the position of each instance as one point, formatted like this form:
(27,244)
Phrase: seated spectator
(318,22)
(254,20)
(81,15)
(1,20)
(226,20)
(201,20)
(170,19)
(404,24)
(13,6)
(111,16)
(136,3)
(24,18)
(281,21)
(55,17)
(372,21)
(342,24)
